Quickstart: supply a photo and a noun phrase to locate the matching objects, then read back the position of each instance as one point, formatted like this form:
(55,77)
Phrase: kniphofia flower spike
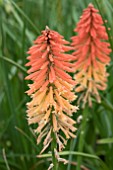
(51,91)
(91,55)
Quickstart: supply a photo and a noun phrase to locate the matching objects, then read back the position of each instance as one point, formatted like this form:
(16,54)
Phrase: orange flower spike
(91,55)
(51,91)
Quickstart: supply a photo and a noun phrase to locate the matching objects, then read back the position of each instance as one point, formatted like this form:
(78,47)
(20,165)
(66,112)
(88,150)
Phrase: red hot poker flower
(91,55)
(51,91)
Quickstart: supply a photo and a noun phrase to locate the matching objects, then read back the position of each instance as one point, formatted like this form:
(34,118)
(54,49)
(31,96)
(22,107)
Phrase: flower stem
(82,135)
(53,147)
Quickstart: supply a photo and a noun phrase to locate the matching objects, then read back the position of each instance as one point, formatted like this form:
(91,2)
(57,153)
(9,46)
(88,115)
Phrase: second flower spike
(91,55)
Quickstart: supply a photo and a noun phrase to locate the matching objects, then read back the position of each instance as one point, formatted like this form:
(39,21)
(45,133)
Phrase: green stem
(53,147)
(82,135)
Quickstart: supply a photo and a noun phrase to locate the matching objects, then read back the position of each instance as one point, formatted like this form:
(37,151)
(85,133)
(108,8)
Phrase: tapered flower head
(51,91)
(91,55)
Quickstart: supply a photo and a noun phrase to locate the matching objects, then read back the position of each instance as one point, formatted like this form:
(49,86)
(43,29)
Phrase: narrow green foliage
(21,21)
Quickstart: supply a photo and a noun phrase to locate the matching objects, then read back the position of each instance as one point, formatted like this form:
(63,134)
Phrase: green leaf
(14,63)
(70,152)
(25,16)
(105,141)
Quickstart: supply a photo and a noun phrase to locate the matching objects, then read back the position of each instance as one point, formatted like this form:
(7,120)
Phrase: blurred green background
(21,21)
